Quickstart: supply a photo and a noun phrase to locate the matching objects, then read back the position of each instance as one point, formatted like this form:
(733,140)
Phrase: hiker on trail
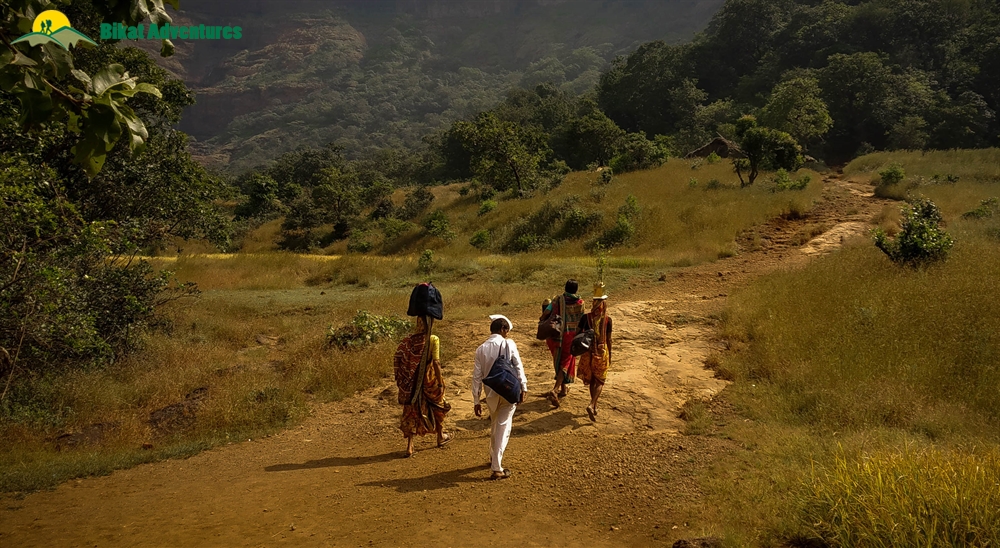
(594,362)
(501,410)
(568,307)
(417,367)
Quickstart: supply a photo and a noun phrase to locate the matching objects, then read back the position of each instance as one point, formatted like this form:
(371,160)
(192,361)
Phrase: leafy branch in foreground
(50,88)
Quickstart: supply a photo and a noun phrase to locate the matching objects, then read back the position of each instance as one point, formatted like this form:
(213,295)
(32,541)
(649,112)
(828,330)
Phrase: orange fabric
(594,364)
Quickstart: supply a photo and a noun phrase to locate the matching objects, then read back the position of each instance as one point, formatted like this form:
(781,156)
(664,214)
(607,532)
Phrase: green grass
(866,394)
(978,166)
(675,223)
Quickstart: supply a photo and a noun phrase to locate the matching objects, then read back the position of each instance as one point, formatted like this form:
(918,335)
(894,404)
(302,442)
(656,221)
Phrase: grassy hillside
(855,370)
(682,216)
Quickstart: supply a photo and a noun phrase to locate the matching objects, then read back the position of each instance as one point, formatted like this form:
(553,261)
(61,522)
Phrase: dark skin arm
(608,341)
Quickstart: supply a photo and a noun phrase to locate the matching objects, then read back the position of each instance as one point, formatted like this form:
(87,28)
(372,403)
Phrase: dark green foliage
(417,200)
(481,239)
(487,206)
(623,229)
(638,152)
(784,181)
(426,262)
(606,177)
(921,239)
(437,224)
(549,224)
(365,329)
(764,149)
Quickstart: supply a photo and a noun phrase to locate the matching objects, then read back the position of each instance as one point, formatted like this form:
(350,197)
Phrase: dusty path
(338,479)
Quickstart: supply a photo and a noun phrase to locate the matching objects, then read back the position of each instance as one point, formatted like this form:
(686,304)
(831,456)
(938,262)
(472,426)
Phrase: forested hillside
(371,75)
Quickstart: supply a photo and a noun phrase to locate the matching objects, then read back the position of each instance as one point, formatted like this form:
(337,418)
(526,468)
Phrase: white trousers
(501,421)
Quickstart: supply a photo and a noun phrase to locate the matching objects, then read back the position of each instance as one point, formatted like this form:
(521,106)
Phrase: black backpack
(425,300)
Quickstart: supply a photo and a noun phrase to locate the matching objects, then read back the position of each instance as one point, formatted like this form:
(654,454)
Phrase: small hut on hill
(720,145)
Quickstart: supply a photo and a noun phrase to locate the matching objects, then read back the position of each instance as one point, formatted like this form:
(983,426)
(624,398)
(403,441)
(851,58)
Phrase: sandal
(592,413)
(446,439)
(553,398)
(501,475)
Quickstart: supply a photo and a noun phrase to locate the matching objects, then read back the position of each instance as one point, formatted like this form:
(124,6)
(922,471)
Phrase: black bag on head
(425,300)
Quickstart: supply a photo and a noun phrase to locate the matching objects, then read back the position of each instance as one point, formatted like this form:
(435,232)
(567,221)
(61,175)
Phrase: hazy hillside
(385,73)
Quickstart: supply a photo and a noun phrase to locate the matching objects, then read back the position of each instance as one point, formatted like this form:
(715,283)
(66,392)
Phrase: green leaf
(83,78)
(36,106)
(108,77)
(167,49)
(6,57)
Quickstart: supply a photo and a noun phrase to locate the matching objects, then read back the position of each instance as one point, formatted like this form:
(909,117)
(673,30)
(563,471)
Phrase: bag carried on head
(503,378)
(582,342)
(425,300)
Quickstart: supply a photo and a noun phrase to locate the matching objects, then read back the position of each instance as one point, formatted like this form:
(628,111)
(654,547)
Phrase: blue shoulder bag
(503,378)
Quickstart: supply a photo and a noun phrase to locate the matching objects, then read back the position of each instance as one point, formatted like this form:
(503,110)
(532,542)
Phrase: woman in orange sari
(422,396)
(593,365)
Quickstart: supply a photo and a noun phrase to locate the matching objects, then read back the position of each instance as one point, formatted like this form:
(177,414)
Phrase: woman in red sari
(424,405)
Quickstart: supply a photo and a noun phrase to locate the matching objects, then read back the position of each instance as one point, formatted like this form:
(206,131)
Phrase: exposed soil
(340,479)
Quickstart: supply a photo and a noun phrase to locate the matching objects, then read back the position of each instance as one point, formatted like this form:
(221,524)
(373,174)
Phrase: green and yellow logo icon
(52,26)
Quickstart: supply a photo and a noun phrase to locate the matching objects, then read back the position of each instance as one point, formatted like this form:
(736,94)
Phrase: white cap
(494,317)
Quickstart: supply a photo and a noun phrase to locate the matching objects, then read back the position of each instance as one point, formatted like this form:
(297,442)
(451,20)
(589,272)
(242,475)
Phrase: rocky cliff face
(384,72)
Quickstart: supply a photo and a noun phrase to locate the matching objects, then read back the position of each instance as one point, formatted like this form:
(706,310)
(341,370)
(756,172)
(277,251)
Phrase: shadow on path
(441,480)
(332,462)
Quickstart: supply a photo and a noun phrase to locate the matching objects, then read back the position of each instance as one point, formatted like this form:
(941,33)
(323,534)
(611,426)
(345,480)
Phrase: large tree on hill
(764,148)
(504,155)
(797,108)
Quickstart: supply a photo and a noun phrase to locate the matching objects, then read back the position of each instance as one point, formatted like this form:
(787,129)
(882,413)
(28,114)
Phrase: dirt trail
(338,479)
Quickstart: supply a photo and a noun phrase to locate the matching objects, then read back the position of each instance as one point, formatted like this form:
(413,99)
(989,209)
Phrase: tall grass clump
(853,342)
(926,497)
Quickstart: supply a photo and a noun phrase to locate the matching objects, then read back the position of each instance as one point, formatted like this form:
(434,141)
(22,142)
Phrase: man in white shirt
(501,411)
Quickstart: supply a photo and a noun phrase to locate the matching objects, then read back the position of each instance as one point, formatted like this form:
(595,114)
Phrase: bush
(713,158)
(783,181)
(638,153)
(606,176)
(437,224)
(579,223)
(892,175)
(692,183)
(630,209)
(426,262)
(481,239)
(365,329)
(393,228)
(416,202)
(487,206)
(714,184)
(920,240)
(620,234)
(987,209)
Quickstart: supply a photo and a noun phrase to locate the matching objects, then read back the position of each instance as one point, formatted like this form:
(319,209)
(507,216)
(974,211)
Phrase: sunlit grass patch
(911,497)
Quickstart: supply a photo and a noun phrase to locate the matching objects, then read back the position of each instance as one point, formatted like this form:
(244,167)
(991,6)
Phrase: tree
(504,155)
(764,148)
(591,137)
(49,87)
(797,108)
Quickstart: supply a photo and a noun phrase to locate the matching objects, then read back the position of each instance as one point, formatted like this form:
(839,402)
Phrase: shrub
(426,262)
(630,209)
(692,183)
(606,177)
(892,175)
(920,240)
(620,234)
(578,223)
(987,208)
(365,329)
(437,224)
(783,181)
(713,158)
(638,153)
(714,184)
(416,202)
(481,239)
(487,206)
(393,228)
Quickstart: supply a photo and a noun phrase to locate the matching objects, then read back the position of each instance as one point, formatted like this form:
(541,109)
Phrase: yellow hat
(599,291)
